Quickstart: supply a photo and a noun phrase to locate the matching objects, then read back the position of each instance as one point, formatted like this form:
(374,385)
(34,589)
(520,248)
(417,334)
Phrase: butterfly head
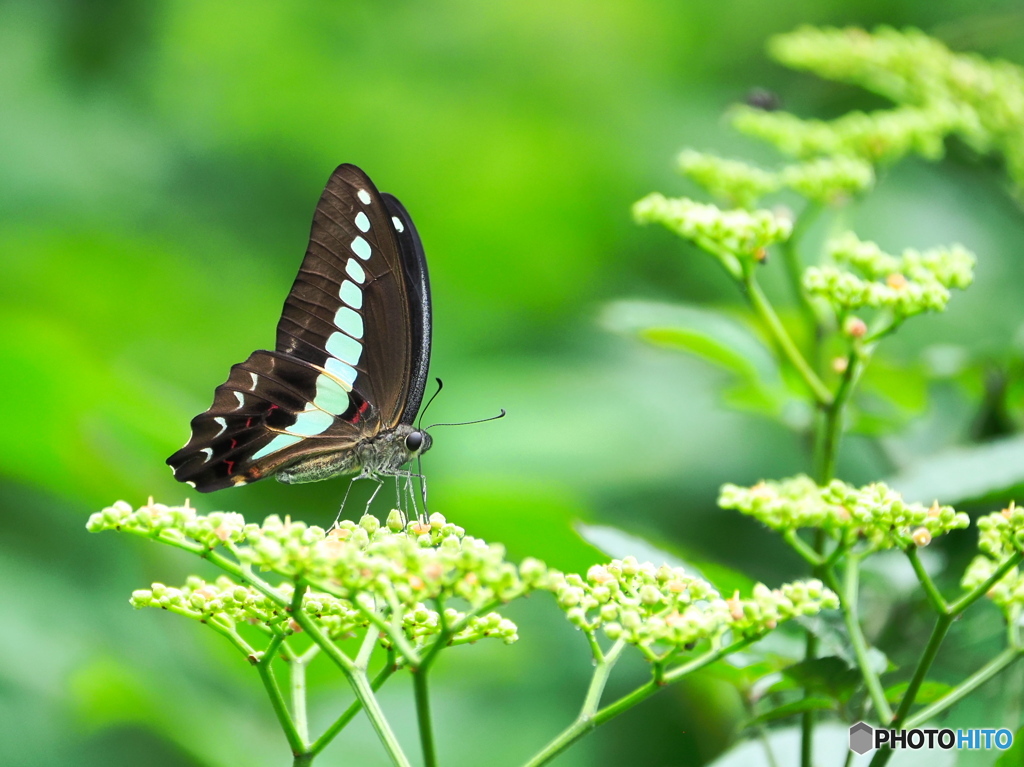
(417,442)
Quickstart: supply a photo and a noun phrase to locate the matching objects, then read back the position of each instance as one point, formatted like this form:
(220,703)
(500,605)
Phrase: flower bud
(855,327)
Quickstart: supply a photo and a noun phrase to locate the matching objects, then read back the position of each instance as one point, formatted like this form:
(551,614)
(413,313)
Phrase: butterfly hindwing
(353,345)
(417,281)
(272,410)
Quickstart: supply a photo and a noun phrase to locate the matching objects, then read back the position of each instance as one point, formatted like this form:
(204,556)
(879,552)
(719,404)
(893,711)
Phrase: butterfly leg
(341,509)
(374,493)
(410,489)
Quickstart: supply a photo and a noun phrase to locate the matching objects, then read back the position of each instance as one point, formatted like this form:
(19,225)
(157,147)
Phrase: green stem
(361,686)
(340,723)
(586,722)
(850,594)
(981,590)
(812,557)
(965,688)
(297,672)
(807,717)
(296,740)
(763,308)
(936,599)
(942,624)
(794,273)
(423,719)
(833,413)
(298,686)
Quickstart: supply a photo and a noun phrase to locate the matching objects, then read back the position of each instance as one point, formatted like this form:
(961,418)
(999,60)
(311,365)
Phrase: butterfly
(341,390)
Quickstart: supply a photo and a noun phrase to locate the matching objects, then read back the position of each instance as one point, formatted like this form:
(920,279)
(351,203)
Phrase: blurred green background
(159,164)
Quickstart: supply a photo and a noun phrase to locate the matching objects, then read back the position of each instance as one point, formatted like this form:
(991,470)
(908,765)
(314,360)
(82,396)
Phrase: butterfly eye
(414,441)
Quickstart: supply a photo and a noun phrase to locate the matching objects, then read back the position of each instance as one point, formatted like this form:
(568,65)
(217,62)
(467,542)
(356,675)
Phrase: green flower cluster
(354,572)
(230,604)
(172,524)
(739,183)
(826,180)
(730,235)
(981,101)
(829,180)
(873,513)
(909,284)
(880,137)
(1000,536)
(662,610)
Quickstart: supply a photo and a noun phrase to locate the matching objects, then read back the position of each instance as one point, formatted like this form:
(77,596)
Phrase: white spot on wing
(343,372)
(364,196)
(279,442)
(190,482)
(223,426)
(350,321)
(351,294)
(309,423)
(344,348)
(253,387)
(399,226)
(362,222)
(209,453)
(361,248)
(355,271)
(240,397)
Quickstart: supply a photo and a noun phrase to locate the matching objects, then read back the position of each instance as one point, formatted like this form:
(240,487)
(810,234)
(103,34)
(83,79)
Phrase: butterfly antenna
(423,412)
(467,423)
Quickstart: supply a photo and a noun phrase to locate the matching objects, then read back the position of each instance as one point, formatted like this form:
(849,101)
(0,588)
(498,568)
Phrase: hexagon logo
(862,738)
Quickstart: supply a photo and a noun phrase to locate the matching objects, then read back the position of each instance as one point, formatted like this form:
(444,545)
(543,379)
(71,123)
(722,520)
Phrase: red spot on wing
(358,414)
(231,467)
(248,422)
(234,444)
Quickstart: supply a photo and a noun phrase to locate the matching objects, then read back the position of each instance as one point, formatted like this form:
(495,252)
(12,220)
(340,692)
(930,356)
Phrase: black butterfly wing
(353,346)
(417,282)
(272,411)
(360,304)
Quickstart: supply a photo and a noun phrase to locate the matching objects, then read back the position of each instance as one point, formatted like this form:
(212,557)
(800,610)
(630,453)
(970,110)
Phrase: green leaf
(929,692)
(969,473)
(791,709)
(830,676)
(714,337)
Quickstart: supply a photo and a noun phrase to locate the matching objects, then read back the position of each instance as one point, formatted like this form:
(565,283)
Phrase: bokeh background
(159,164)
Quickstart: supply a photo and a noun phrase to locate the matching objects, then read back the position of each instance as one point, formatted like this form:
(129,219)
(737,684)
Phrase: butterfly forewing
(353,345)
(349,309)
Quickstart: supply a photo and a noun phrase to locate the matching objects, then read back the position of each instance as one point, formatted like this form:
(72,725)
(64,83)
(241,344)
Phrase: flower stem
(588,718)
(850,593)
(936,599)
(422,694)
(965,688)
(794,271)
(356,706)
(361,686)
(763,308)
(982,589)
(296,740)
(297,670)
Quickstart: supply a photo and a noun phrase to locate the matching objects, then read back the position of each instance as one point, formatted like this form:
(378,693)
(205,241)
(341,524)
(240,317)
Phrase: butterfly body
(383,455)
(339,393)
